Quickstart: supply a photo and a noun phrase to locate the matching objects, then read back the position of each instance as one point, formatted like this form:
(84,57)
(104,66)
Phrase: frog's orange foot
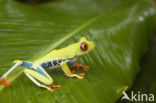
(5,82)
(78,66)
(55,86)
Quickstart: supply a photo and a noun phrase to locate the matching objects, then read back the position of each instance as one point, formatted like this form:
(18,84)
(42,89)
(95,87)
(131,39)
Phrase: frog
(36,71)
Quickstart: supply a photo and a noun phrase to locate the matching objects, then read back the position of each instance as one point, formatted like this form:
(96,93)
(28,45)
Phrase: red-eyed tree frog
(36,71)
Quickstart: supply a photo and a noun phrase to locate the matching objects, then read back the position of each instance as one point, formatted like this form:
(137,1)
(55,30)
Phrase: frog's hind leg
(37,83)
(3,79)
(40,75)
(18,63)
(36,76)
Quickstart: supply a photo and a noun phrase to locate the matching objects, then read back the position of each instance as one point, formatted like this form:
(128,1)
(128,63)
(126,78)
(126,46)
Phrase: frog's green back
(70,51)
(66,52)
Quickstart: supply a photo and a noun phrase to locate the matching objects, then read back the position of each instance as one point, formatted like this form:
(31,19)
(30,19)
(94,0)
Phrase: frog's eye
(83,46)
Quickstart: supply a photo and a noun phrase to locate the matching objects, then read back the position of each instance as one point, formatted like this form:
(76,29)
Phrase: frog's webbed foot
(78,66)
(5,82)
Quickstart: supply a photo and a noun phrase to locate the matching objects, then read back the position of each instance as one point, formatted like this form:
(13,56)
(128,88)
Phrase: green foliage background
(119,28)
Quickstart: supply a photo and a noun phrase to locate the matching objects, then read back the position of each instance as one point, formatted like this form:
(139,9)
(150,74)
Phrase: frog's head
(84,46)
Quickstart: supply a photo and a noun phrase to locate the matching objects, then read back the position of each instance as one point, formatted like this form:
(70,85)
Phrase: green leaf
(120,30)
(145,83)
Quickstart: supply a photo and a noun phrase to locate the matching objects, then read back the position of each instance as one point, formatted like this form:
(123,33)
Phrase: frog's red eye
(83,46)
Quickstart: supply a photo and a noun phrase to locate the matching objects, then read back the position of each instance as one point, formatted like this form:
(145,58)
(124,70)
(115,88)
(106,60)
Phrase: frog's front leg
(68,73)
